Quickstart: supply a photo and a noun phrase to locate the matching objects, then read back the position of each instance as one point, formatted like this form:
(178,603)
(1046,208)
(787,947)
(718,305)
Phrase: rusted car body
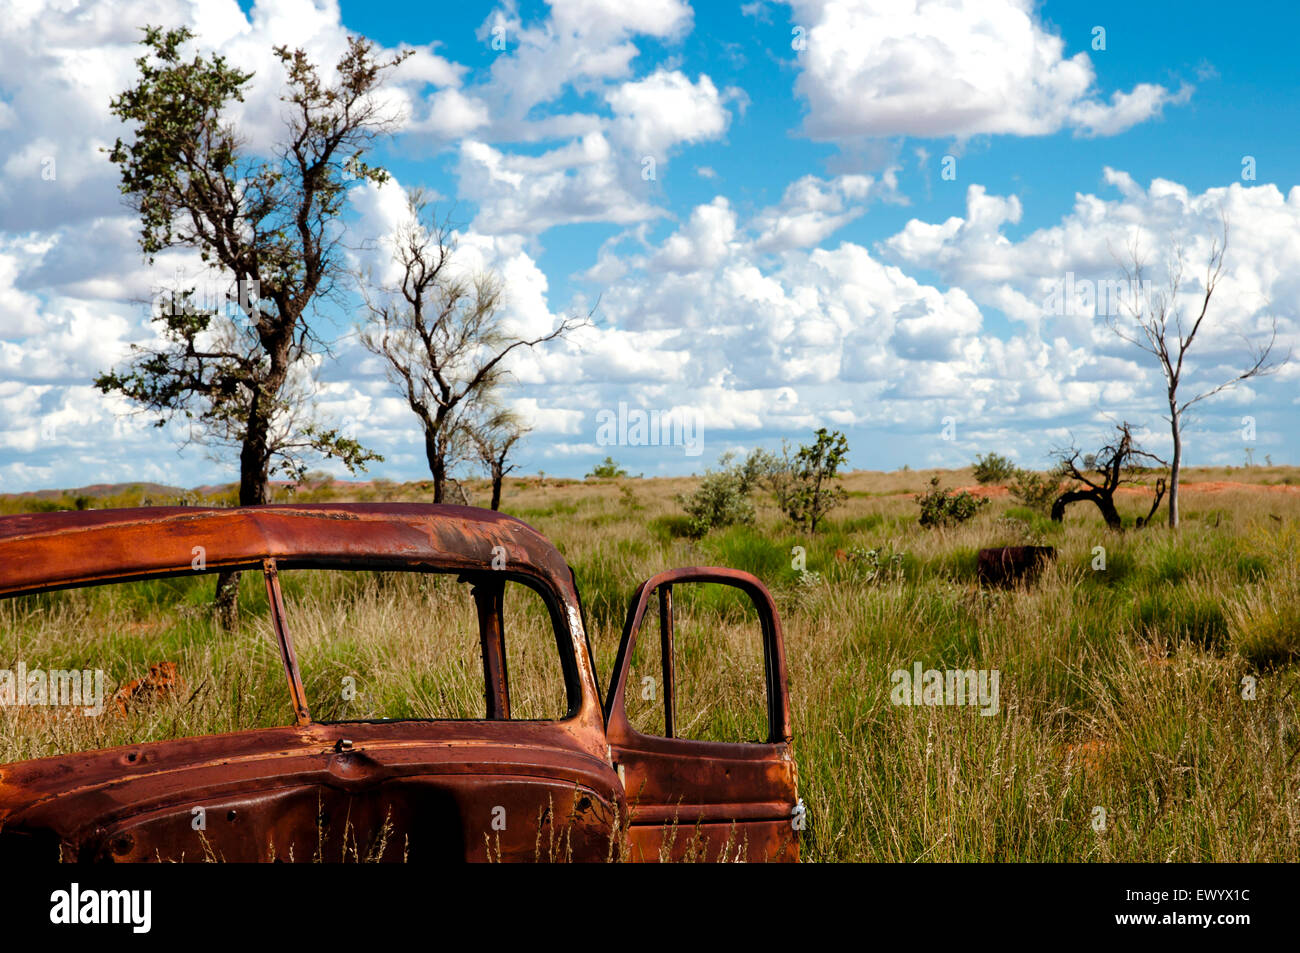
(587,781)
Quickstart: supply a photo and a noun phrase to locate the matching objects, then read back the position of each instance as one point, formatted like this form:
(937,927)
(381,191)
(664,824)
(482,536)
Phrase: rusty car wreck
(589,775)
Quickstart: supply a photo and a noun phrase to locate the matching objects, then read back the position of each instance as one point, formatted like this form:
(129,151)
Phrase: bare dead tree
(441,338)
(1102,473)
(1159,327)
(494,439)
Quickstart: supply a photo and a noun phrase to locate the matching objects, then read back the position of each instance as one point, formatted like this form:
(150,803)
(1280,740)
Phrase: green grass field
(1120,689)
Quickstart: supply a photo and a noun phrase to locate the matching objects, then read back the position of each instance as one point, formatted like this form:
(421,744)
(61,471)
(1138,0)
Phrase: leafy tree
(441,338)
(804,485)
(606,470)
(993,468)
(268,225)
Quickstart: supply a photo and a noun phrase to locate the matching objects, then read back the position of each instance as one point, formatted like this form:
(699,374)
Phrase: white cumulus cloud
(951,68)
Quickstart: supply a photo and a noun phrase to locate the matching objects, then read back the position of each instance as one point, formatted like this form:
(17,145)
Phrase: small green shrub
(627,499)
(993,468)
(881,565)
(606,470)
(940,507)
(722,498)
(1036,490)
(806,485)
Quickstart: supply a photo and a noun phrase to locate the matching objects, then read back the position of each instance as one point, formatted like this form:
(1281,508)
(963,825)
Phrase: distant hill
(156,490)
(105,489)
(115,495)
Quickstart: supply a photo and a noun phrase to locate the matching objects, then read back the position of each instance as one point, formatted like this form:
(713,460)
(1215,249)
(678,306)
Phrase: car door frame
(709,799)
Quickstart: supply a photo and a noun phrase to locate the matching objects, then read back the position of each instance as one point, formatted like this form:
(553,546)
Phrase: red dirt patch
(1207,486)
(985,490)
(162,679)
(1090,754)
(1221,486)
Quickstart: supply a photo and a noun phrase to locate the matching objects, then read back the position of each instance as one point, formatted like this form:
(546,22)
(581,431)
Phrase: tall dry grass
(1121,690)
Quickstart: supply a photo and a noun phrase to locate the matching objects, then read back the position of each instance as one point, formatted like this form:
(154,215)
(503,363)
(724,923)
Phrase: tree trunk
(437,464)
(497,477)
(1104,502)
(1175,463)
(253,480)
(226,600)
(1161,486)
(253,465)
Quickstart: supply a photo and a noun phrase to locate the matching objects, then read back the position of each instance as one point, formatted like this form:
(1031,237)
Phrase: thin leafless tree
(440,335)
(494,439)
(1156,322)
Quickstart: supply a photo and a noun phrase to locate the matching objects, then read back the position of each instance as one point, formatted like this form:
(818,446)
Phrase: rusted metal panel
(704,789)
(406,790)
(494,785)
(752,842)
(262,804)
(48,550)
(669,658)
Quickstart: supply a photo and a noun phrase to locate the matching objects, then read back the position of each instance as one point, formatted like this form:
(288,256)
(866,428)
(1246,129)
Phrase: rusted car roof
(54,550)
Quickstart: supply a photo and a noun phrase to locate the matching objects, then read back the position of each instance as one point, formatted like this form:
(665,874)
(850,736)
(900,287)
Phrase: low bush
(1038,491)
(940,507)
(722,498)
(993,468)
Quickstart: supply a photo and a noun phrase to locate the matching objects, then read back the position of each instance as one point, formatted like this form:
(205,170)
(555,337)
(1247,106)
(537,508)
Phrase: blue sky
(1246,100)
(797,260)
